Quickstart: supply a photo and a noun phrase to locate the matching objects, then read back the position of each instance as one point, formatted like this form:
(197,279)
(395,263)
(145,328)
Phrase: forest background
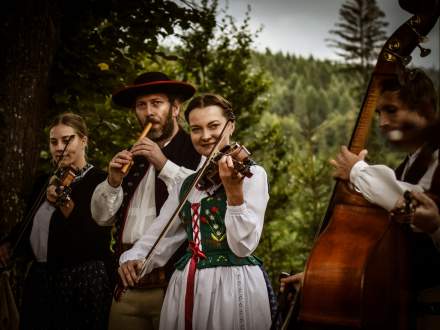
(293,112)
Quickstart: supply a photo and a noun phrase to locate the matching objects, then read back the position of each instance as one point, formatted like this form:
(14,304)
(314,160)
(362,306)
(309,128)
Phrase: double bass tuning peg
(423,39)
(424,51)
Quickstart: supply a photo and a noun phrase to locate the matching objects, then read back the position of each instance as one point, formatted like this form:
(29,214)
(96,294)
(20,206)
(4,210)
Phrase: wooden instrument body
(358,275)
(357,272)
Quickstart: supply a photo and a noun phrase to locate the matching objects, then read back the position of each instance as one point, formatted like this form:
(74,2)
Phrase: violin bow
(199,175)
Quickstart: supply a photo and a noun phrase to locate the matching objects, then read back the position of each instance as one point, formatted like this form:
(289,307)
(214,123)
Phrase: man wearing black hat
(133,201)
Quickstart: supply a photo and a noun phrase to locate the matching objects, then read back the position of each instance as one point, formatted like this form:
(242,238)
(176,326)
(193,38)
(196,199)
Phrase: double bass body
(357,274)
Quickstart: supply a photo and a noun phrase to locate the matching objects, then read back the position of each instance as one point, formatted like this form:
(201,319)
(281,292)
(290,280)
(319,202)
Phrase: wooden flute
(144,133)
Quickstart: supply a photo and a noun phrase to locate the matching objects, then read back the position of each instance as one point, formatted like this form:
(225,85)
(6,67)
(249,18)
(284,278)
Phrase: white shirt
(106,201)
(40,231)
(379,185)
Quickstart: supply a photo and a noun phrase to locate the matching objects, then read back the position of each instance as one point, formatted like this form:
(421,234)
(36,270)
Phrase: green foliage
(299,187)
(103,51)
(293,112)
(215,56)
(218,58)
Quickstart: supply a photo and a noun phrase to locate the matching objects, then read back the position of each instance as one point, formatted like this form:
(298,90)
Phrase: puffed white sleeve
(169,243)
(106,201)
(379,185)
(244,223)
(171,174)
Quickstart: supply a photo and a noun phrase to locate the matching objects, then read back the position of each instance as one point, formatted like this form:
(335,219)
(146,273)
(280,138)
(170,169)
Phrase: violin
(240,158)
(207,173)
(62,179)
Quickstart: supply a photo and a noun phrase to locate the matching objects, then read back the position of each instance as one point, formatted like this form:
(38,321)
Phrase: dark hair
(73,120)
(206,100)
(415,89)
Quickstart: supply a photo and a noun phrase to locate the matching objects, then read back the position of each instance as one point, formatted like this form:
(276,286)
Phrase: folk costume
(68,286)
(133,207)
(218,283)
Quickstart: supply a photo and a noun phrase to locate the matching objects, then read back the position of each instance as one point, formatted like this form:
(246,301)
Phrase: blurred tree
(360,34)
(28,34)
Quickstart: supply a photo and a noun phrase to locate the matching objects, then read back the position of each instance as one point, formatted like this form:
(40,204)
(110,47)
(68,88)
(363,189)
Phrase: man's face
(156,108)
(400,125)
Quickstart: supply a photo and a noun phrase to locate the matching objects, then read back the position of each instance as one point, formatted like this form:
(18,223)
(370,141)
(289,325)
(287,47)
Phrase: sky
(301,27)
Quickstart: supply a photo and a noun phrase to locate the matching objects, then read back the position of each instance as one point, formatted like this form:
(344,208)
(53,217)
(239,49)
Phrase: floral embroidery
(214,220)
(218,237)
(221,259)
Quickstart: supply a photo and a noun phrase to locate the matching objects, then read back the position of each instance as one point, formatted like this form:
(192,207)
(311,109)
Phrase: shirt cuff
(169,170)
(109,189)
(236,209)
(356,170)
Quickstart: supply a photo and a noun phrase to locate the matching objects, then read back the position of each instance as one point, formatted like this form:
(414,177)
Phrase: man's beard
(166,131)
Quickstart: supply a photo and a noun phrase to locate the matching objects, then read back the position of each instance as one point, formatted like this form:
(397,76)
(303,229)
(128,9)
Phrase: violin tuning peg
(424,51)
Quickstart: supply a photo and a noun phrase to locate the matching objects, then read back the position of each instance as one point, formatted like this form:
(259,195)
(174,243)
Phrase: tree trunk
(28,35)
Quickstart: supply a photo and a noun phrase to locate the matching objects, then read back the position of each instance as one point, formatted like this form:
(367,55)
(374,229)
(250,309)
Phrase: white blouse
(244,223)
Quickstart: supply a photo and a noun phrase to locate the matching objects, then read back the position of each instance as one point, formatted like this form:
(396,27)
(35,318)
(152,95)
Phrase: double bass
(357,275)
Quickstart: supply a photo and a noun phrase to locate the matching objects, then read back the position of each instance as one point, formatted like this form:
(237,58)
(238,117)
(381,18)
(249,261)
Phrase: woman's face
(206,125)
(75,153)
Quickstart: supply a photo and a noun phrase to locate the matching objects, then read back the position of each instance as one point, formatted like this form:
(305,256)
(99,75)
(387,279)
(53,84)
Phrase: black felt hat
(152,83)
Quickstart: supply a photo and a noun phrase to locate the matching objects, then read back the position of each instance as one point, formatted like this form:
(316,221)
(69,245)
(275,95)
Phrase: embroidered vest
(212,232)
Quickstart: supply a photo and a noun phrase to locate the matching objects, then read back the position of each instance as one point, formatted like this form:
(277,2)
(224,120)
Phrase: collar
(82,172)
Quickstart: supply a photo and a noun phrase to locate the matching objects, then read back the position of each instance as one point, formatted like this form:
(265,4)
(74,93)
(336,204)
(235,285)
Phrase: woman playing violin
(67,286)
(218,284)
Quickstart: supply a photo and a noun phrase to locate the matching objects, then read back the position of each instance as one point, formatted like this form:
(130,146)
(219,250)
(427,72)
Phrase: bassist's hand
(426,215)
(344,162)
(294,280)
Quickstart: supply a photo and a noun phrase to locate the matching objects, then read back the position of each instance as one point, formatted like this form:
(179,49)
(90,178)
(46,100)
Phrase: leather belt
(155,279)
